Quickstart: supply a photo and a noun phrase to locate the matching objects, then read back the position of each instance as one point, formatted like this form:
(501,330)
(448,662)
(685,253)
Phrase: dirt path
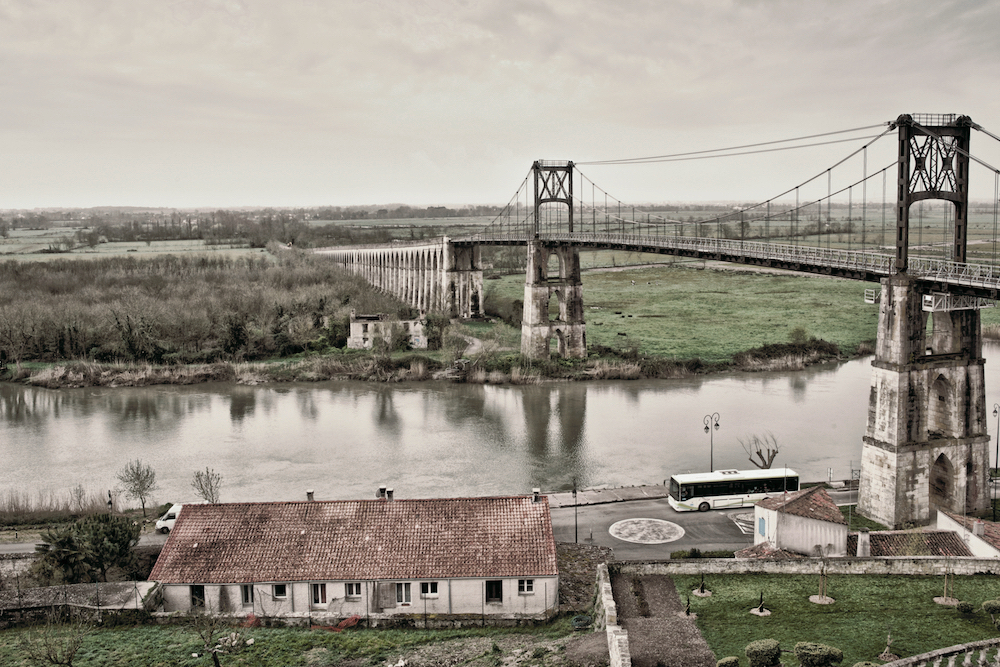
(659,634)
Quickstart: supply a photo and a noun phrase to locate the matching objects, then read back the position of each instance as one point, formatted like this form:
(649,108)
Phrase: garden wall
(606,612)
(929,565)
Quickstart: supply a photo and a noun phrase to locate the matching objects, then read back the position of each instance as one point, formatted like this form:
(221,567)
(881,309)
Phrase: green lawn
(162,646)
(866,609)
(683,313)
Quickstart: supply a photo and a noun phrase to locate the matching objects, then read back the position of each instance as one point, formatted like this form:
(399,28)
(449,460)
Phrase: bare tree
(207,484)
(765,448)
(212,630)
(138,480)
(55,643)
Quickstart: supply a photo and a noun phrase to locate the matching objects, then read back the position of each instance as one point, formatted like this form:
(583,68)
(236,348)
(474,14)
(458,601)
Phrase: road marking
(743,521)
(646,531)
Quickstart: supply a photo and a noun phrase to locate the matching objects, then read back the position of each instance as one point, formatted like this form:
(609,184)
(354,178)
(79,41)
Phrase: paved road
(29,547)
(705,530)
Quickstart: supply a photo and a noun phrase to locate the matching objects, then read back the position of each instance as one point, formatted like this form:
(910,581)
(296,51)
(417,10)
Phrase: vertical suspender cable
(882,236)
(996,200)
(829,200)
(864,199)
(795,218)
(850,208)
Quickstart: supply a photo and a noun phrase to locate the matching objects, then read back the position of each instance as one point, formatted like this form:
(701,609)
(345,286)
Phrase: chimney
(864,544)
(388,494)
(534,495)
(979,529)
(381,492)
(309,495)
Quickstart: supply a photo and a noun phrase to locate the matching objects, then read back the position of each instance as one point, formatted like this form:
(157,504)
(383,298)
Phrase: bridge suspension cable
(725,152)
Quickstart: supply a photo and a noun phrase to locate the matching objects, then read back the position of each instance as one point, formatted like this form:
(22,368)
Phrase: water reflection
(343,439)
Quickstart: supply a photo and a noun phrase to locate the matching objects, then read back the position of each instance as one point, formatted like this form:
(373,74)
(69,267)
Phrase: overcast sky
(218,103)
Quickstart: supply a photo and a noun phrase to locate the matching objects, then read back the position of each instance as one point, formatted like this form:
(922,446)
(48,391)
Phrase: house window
(198,596)
(319,594)
(428,589)
(280,591)
(352,589)
(402,594)
(526,586)
(246,591)
(494,590)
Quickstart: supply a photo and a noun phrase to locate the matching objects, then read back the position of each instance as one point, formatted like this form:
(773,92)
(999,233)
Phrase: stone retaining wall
(606,612)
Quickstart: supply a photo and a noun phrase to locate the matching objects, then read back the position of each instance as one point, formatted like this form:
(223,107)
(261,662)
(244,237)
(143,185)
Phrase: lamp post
(576,525)
(711,421)
(996,464)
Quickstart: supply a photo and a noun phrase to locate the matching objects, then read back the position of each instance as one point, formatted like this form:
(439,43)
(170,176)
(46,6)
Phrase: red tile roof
(359,539)
(811,503)
(911,543)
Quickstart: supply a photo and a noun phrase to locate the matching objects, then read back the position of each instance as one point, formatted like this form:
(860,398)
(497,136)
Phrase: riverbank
(489,367)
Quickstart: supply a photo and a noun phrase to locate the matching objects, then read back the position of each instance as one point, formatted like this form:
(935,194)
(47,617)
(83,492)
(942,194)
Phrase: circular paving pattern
(646,531)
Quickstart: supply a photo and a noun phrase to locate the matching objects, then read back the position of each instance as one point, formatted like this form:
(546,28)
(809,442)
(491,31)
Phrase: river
(344,439)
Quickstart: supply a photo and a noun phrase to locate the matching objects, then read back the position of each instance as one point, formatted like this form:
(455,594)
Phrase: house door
(494,591)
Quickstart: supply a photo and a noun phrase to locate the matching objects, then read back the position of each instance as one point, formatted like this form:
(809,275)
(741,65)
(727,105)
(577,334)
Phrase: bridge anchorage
(926,443)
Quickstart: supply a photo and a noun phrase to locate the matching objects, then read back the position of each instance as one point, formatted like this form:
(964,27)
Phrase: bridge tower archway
(926,444)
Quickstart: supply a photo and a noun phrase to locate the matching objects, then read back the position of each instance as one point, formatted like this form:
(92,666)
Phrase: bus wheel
(704,507)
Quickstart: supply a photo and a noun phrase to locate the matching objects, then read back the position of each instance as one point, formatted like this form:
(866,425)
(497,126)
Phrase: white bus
(703,491)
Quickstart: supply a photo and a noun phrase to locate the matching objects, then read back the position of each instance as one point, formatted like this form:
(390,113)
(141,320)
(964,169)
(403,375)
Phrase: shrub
(992,607)
(731,661)
(811,654)
(965,608)
(763,653)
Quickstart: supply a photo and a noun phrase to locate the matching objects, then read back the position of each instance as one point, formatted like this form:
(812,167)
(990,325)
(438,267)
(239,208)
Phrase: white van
(166,522)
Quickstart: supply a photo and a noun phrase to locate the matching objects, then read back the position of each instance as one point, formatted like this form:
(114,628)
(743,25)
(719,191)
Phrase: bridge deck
(980,280)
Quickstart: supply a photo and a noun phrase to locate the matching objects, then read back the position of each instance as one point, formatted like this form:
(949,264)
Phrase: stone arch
(939,407)
(941,482)
(553,269)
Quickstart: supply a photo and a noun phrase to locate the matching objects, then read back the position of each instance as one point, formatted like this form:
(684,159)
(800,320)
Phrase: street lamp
(711,421)
(576,524)
(996,464)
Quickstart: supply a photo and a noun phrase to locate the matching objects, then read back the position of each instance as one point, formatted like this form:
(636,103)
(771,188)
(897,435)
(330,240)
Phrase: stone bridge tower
(926,444)
(553,185)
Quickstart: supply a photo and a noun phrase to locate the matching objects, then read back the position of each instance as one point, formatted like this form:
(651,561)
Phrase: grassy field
(162,646)
(683,312)
(866,609)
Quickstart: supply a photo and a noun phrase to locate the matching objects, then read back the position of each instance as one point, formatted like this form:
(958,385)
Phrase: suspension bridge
(926,443)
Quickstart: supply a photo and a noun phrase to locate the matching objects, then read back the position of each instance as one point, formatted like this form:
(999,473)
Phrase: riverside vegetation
(284,315)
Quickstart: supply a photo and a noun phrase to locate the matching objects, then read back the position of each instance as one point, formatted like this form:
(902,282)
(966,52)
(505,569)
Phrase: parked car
(166,522)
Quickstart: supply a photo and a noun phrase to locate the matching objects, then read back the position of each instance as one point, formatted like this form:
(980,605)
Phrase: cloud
(444,100)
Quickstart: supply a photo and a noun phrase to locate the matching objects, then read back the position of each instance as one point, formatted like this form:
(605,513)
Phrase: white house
(424,561)
(806,522)
(981,537)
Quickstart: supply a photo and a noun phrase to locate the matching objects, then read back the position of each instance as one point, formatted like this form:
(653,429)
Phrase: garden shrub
(992,607)
(763,653)
(731,661)
(964,608)
(811,654)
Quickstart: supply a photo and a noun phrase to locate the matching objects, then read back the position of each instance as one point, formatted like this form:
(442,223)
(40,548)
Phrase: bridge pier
(926,444)
(537,328)
(464,280)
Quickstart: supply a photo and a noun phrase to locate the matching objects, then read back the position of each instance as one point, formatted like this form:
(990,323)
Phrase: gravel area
(659,633)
